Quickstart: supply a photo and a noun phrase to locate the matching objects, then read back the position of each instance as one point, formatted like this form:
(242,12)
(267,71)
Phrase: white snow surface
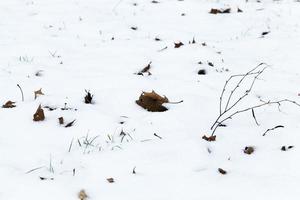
(90,44)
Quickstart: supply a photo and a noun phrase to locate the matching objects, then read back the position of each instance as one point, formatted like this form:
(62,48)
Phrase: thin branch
(254,117)
(234,76)
(272,129)
(253,107)
(21,91)
(228,108)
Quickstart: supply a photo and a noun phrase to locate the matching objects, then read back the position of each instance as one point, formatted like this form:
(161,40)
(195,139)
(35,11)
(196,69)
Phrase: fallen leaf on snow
(152,102)
(222,171)
(145,70)
(220,11)
(210,138)
(178,44)
(38,93)
(249,150)
(39,114)
(9,104)
(82,195)
(88,97)
(110,180)
(285,148)
(61,120)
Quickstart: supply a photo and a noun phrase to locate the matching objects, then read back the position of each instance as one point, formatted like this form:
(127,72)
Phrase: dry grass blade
(152,102)
(39,114)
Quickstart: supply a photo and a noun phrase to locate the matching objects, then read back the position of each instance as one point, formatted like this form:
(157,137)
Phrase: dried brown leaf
(61,120)
(285,148)
(37,93)
(9,104)
(82,195)
(145,70)
(220,11)
(210,138)
(249,150)
(110,180)
(222,171)
(39,114)
(88,97)
(152,102)
(178,44)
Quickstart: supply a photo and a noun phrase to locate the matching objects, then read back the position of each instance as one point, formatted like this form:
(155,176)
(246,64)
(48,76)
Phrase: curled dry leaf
(202,72)
(61,120)
(145,70)
(9,104)
(249,150)
(210,138)
(220,11)
(82,195)
(177,45)
(38,93)
(152,102)
(110,180)
(222,171)
(88,97)
(285,148)
(39,114)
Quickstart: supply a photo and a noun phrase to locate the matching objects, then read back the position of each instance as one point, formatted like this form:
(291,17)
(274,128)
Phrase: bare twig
(71,144)
(21,91)
(157,136)
(272,129)
(229,105)
(253,107)
(254,117)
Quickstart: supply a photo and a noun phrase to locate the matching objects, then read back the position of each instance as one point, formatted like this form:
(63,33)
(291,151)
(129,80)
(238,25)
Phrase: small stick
(157,136)
(253,115)
(70,147)
(21,91)
(272,129)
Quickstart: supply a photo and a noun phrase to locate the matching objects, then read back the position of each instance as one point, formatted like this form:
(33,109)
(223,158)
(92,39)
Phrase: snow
(70,44)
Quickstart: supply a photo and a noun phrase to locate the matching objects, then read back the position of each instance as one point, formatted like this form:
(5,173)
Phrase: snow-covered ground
(68,46)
